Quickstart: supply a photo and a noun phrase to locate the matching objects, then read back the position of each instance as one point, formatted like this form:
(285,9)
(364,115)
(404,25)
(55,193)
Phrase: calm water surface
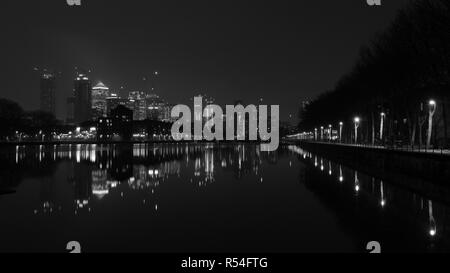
(206,198)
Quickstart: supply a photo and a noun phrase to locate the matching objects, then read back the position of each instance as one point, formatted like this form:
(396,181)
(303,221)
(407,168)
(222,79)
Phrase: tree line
(14,120)
(401,80)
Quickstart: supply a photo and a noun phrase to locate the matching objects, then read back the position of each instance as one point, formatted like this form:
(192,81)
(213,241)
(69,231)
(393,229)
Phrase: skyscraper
(154,107)
(99,94)
(48,86)
(138,104)
(83,98)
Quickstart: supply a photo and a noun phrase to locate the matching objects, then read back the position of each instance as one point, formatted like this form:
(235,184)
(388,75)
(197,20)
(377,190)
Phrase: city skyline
(196,48)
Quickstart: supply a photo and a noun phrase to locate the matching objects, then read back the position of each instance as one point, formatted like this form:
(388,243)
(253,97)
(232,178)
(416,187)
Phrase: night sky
(231,50)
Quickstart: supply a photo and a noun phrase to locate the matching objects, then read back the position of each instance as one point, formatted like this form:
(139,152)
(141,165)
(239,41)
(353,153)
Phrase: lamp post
(315,134)
(383,115)
(341,124)
(321,133)
(432,111)
(357,120)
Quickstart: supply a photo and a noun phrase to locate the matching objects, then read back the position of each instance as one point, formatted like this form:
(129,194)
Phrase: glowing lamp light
(357,120)
(432,103)
(433,232)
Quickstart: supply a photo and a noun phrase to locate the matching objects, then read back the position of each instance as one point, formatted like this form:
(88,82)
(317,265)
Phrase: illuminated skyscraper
(155,107)
(138,105)
(48,87)
(99,94)
(83,98)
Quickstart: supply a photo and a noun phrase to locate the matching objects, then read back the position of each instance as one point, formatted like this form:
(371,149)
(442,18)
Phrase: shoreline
(432,167)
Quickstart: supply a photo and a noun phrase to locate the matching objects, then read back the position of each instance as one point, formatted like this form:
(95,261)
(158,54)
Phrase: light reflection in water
(97,173)
(359,187)
(100,170)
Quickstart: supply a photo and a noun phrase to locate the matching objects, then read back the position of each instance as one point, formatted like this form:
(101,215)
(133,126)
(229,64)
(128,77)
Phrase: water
(207,198)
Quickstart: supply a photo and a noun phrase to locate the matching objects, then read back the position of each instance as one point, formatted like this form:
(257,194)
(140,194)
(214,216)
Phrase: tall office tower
(48,87)
(138,104)
(83,98)
(99,94)
(154,107)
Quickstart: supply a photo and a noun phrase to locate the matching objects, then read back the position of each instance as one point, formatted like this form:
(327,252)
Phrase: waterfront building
(82,98)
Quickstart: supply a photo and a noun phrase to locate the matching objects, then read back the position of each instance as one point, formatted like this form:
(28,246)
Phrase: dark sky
(236,49)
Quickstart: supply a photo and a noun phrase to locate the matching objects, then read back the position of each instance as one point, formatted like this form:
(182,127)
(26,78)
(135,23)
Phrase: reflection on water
(97,170)
(419,209)
(205,197)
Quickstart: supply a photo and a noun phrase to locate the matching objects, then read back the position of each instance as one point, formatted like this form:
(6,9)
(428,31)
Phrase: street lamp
(357,120)
(432,110)
(315,134)
(321,133)
(383,115)
(341,124)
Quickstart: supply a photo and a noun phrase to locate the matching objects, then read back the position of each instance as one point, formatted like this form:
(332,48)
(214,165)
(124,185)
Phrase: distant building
(100,93)
(122,118)
(104,128)
(167,113)
(83,98)
(155,106)
(138,104)
(113,101)
(48,93)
